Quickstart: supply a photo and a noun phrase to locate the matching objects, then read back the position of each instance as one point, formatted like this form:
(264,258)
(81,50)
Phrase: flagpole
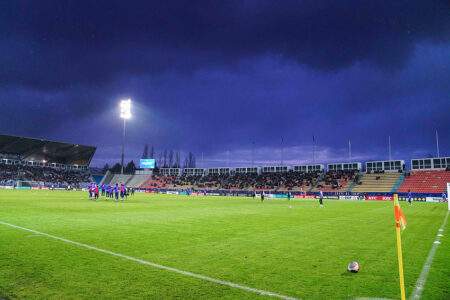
(400,263)
(314,162)
(253,152)
(390,148)
(399,252)
(349,152)
(437,143)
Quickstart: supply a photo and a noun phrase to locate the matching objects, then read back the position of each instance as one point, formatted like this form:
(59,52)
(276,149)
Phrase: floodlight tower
(125,114)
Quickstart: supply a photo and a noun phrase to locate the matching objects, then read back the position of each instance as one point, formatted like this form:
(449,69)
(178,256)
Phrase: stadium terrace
(34,163)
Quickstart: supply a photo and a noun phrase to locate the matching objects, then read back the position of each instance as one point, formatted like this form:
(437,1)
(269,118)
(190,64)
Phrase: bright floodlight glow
(125,109)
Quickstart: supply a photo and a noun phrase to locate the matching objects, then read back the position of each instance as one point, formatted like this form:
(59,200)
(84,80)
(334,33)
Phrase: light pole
(125,113)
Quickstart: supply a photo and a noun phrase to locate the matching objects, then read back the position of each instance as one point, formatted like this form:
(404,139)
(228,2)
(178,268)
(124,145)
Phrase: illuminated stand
(125,114)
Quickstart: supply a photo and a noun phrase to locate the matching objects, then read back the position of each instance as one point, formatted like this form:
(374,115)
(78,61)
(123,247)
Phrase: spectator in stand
(45,175)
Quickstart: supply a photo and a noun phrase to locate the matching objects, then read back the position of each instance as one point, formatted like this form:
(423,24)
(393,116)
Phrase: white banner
(434,199)
(6,187)
(348,197)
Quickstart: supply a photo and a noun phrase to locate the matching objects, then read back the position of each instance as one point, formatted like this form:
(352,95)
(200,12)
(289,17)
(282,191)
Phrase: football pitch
(169,246)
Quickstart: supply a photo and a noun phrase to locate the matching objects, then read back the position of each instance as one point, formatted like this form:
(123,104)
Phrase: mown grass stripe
(427,266)
(227,283)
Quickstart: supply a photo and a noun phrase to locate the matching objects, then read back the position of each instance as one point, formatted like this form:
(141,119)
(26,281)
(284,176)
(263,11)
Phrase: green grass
(300,252)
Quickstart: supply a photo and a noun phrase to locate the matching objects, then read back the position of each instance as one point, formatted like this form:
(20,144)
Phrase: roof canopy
(52,152)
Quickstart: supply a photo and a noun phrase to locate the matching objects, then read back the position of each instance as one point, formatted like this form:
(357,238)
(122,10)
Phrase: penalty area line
(426,267)
(218,281)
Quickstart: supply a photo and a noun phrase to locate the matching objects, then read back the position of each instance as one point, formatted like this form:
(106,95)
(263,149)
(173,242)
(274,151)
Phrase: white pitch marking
(371,299)
(426,267)
(235,285)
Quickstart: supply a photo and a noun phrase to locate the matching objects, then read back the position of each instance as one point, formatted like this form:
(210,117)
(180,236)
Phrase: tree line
(163,159)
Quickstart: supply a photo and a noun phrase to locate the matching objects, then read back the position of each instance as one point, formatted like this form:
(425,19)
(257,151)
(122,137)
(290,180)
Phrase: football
(353,267)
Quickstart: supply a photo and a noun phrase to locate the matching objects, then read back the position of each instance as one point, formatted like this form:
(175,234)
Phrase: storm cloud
(210,76)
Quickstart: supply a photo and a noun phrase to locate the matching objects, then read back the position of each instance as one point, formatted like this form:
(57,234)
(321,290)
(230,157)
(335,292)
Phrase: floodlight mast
(125,113)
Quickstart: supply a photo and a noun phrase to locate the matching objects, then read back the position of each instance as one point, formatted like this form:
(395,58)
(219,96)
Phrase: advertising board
(147,163)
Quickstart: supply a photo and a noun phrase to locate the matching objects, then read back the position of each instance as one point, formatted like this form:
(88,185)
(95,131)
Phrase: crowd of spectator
(337,179)
(160,181)
(210,181)
(247,181)
(186,180)
(10,174)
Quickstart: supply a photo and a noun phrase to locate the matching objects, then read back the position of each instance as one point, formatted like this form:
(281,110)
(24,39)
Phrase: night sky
(211,77)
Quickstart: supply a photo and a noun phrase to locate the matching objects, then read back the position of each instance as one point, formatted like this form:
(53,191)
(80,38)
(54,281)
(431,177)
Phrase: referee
(321,198)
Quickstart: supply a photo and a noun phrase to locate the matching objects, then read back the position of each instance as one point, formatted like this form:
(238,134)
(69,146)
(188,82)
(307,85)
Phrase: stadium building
(376,179)
(30,162)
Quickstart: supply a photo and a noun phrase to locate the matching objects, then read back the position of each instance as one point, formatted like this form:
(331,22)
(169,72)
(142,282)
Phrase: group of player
(110,192)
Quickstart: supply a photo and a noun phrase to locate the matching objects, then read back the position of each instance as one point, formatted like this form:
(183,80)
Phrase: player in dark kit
(321,198)
(409,197)
(111,192)
(288,196)
(116,192)
(262,196)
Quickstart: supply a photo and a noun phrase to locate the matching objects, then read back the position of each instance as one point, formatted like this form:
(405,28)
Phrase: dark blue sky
(210,76)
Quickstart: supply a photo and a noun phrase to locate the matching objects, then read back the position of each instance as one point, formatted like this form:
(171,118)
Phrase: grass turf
(300,252)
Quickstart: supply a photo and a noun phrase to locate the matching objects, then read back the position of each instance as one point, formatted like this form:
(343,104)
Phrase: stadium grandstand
(38,163)
(428,176)
(377,178)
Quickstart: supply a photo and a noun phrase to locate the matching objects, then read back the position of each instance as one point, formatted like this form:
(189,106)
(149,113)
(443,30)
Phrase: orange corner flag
(400,221)
(399,217)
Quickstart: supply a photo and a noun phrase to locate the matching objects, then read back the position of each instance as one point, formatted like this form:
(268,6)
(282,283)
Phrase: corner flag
(400,221)
(399,217)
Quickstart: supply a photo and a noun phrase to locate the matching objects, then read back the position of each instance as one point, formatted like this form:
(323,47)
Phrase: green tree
(145,154)
(130,168)
(117,168)
(105,168)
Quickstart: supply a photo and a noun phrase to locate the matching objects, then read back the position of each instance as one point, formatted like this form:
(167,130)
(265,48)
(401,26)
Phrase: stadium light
(125,114)
(125,109)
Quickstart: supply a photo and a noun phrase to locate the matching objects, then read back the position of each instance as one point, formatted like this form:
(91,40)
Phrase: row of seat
(370,183)
(417,182)
(425,182)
